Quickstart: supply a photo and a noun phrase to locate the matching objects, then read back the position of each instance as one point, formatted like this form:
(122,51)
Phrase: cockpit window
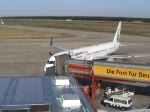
(50,62)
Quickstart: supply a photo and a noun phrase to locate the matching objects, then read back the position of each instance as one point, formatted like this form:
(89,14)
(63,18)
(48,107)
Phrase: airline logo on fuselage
(80,53)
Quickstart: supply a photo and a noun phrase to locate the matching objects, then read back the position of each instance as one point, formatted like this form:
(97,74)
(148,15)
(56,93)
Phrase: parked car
(118,101)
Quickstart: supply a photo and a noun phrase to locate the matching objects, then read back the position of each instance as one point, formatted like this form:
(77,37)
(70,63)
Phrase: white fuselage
(87,53)
(93,52)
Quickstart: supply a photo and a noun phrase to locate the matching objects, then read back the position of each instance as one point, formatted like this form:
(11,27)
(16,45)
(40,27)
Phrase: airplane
(100,51)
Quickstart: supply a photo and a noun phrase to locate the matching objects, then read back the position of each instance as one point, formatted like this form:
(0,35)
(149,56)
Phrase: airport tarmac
(26,57)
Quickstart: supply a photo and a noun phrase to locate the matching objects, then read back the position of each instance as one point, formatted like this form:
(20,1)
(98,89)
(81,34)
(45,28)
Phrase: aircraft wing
(61,48)
(123,56)
(58,47)
(129,56)
(133,44)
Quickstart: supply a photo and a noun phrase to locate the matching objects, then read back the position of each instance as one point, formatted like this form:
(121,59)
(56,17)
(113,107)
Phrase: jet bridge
(130,74)
(109,70)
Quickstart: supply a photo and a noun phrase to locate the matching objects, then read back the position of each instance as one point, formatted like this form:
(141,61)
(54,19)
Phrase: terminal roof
(20,93)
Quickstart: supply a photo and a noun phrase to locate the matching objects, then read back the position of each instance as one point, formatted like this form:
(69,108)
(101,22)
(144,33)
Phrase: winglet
(51,42)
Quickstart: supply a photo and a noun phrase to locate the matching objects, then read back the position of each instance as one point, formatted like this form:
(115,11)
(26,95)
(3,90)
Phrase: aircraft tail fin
(117,34)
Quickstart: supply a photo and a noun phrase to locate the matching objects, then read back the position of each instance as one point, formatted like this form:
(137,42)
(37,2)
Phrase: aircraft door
(71,53)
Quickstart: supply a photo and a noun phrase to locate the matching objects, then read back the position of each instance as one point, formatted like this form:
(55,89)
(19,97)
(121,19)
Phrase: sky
(109,8)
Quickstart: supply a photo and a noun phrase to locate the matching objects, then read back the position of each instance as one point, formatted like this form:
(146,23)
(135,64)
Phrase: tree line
(89,18)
